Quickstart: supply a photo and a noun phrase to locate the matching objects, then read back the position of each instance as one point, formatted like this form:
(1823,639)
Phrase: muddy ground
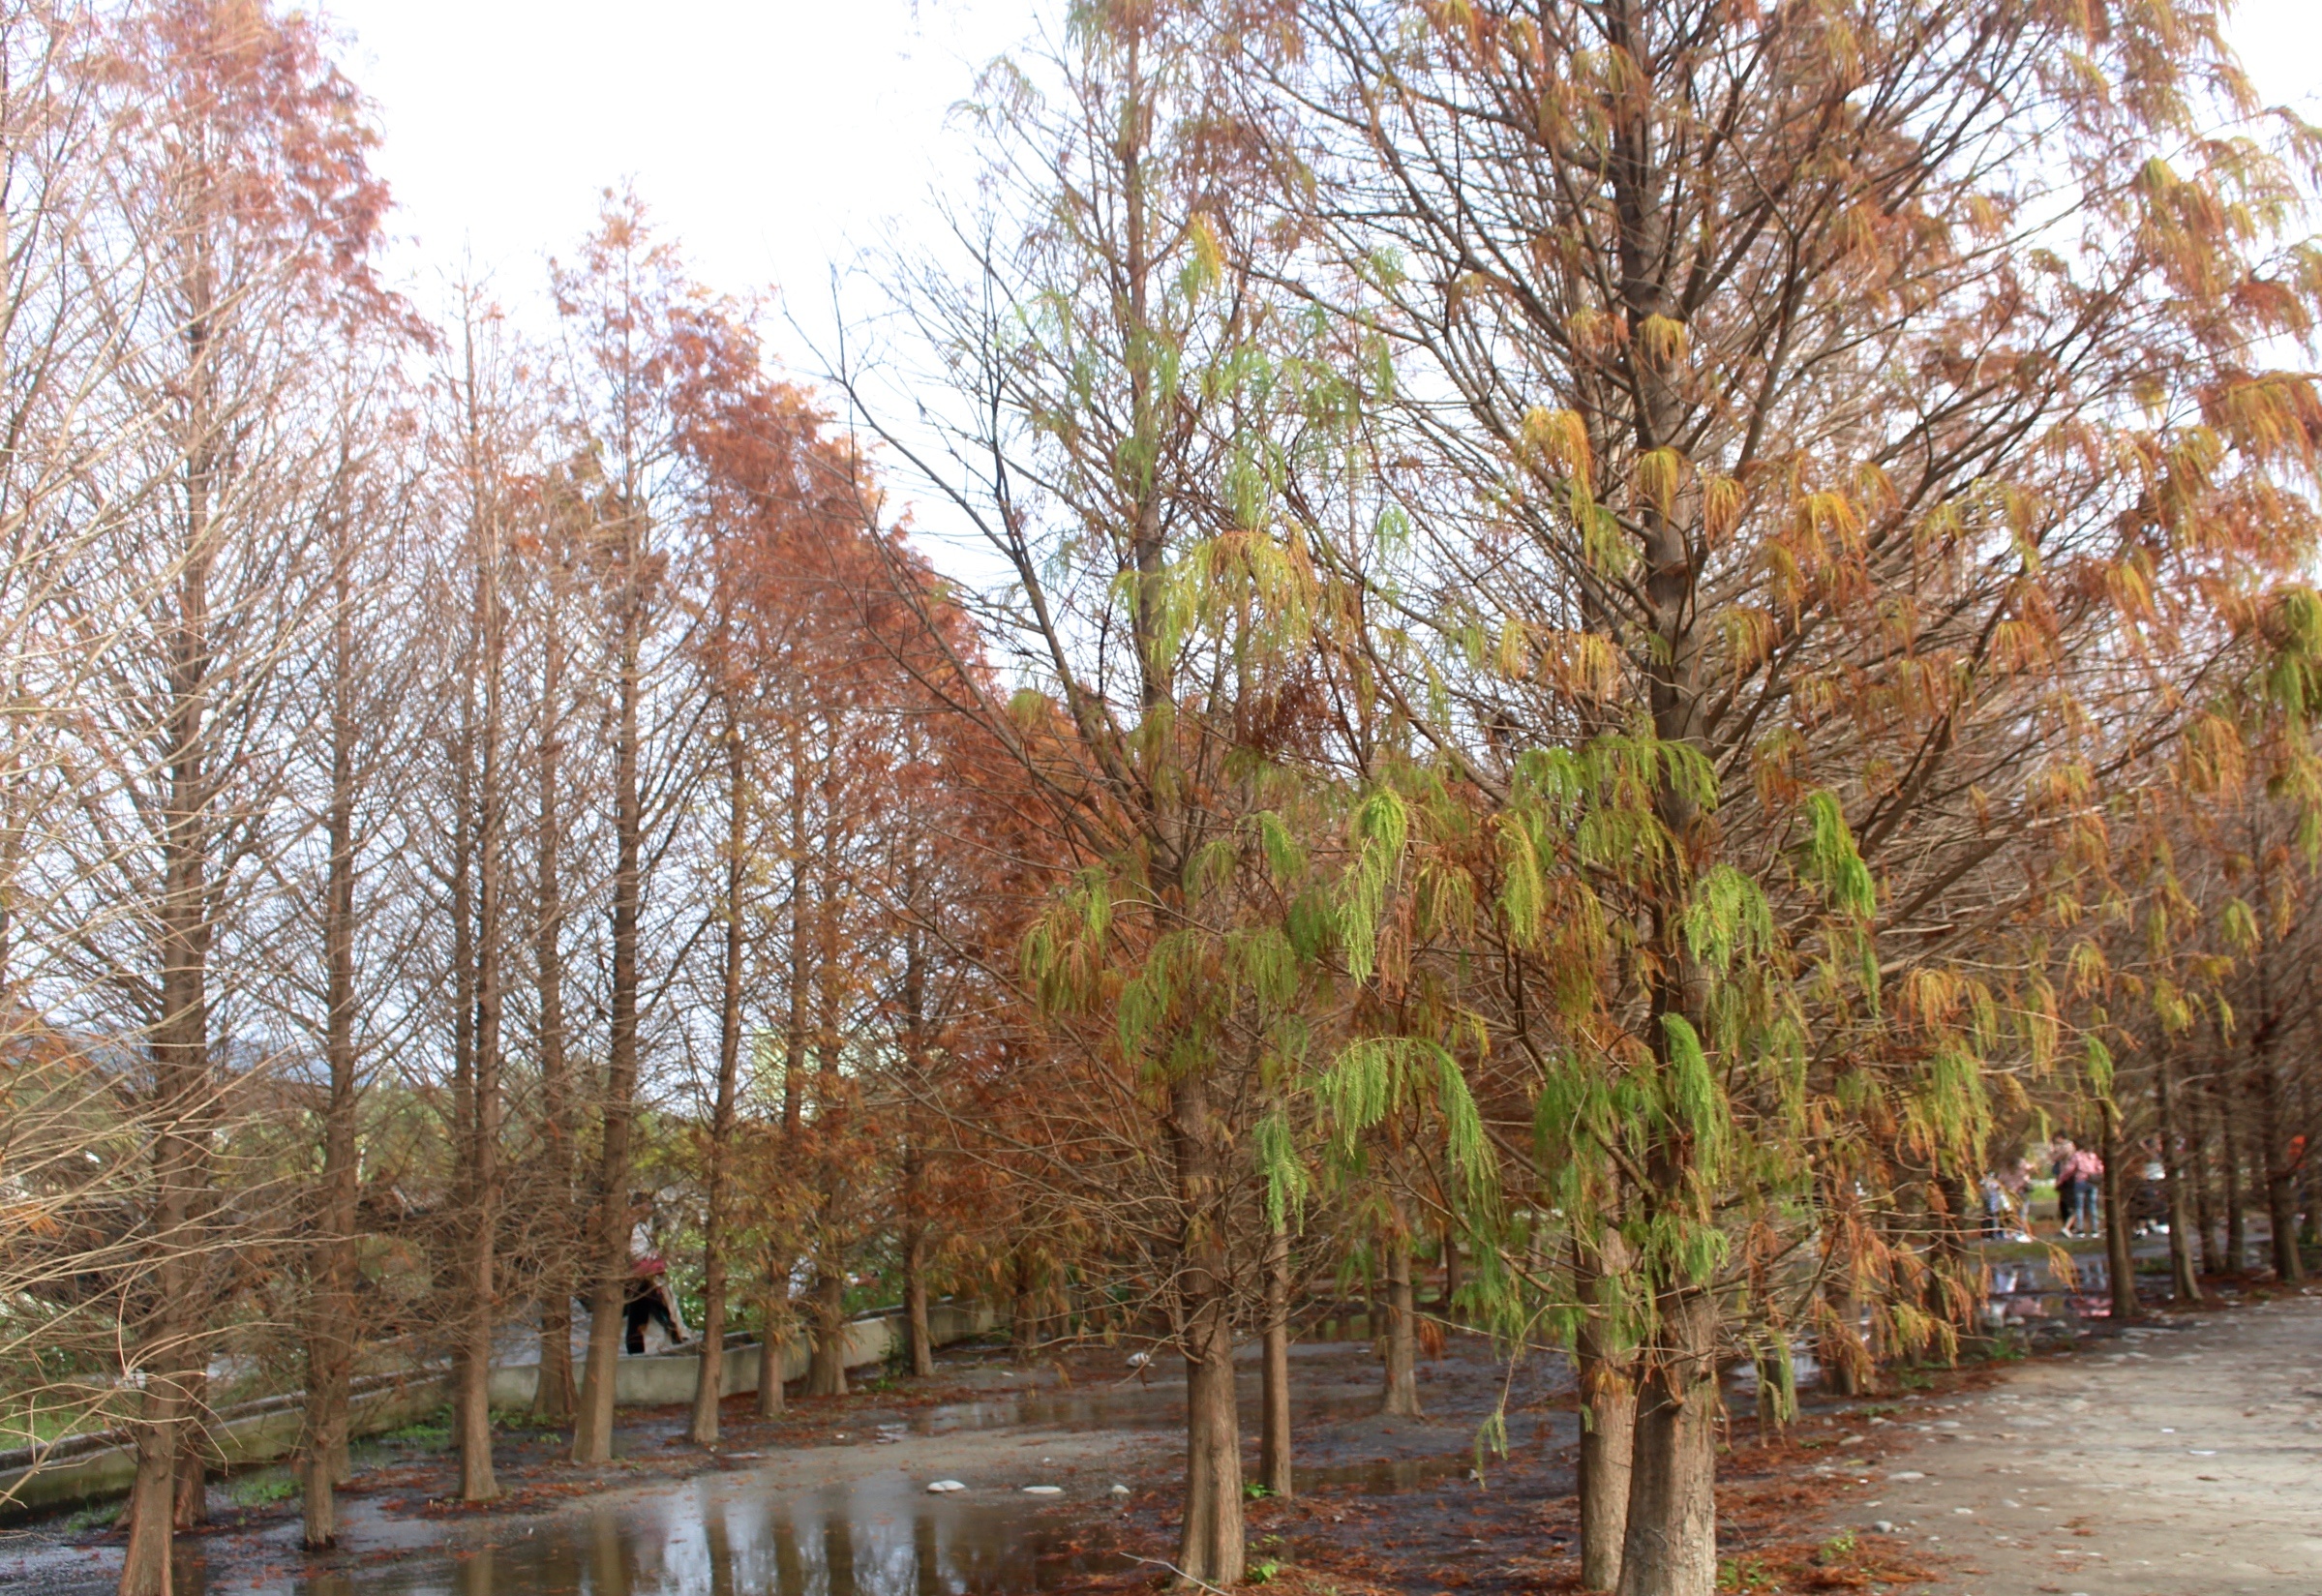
(1992,1480)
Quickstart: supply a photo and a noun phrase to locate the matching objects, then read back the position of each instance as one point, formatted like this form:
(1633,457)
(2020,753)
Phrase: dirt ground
(2178,1459)
(2183,1459)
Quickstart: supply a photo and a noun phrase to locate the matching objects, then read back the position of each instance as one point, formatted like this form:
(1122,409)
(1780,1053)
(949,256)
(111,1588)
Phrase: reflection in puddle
(1386,1475)
(716,1538)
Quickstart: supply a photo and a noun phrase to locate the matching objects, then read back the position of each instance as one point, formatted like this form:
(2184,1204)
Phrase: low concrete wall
(86,1468)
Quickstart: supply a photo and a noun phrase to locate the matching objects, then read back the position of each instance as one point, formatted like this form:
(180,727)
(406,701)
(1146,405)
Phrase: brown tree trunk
(1400,1393)
(608,1243)
(330,1328)
(477,1480)
(2183,1283)
(1669,1542)
(918,1338)
(709,1384)
(1274,1447)
(1608,1391)
(1211,1546)
(145,1563)
(827,1369)
(167,1353)
(773,1343)
(2119,1260)
(1449,1306)
(2237,1203)
(2280,1170)
(2201,1157)
(918,1344)
(190,1492)
(553,1398)
(1024,1307)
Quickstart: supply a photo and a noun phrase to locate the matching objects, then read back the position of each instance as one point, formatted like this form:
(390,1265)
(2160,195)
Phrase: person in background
(2016,1178)
(2088,1173)
(2063,1159)
(1995,1205)
(646,1302)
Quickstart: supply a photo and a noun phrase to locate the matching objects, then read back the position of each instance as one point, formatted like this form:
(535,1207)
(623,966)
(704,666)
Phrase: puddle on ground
(1158,1406)
(1385,1476)
(716,1537)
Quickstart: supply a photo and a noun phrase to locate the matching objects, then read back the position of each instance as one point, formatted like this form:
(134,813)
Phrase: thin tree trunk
(1607,1382)
(477,1480)
(1449,1306)
(918,1338)
(709,1383)
(330,1331)
(2237,1203)
(1211,1545)
(553,1399)
(773,1344)
(1274,1424)
(2183,1283)
(1024,1309)
(918,1344)
(2280,1168)
(2119,1260)
(607,1249)
(168,1354)
(2201,1157)
(1399,1395)
(826,1368)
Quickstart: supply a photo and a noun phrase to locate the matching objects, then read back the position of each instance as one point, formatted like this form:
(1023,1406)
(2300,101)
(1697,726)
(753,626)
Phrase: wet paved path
(2183,1461)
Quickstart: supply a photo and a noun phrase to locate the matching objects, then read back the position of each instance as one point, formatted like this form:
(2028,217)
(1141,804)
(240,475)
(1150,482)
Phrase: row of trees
(1620,644)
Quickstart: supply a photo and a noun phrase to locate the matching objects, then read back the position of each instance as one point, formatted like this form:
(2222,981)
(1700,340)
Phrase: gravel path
(2188,1463)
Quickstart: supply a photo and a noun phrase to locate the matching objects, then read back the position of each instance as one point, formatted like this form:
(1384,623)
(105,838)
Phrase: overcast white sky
(774,137)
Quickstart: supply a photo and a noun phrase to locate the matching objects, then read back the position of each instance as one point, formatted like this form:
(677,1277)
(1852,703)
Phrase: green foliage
(1376,832)
(1831,859)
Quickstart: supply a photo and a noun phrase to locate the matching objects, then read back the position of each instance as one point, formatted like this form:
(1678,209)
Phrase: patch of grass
(96,1516)
(262,1491)
(434,1430)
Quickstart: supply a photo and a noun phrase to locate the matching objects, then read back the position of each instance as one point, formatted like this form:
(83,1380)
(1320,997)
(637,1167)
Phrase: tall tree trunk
(2201,1160)
(1274,1469)
(827,1367)
(918,1344)
(1669,1543)
(919,1337)
(553,1397)
(2281,1167)
(331,1327)
(608,1245)
(774,1341)
(1211,1546)
(477,1481)
(709,1383)
(1449,1306)
(190,1492)
(2183,1283)
(1607,1382)
(1024,1306)
(2119,1260)
(2237,1202)
(168,1354)
(1400,1393)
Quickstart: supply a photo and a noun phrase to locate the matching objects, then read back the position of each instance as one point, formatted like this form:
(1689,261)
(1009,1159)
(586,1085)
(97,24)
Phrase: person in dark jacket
(646,1301)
